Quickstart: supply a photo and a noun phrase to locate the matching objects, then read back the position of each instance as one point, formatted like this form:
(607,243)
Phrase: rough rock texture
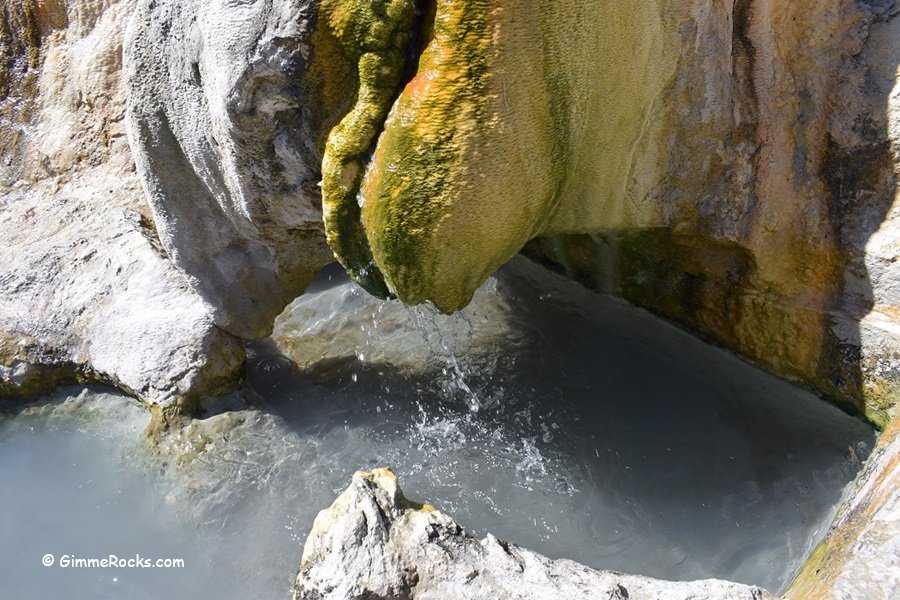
(85,290)
(732,166)
(740,181)
(860,557)
(759,204)
(728,165)
(374,543)
(227,140)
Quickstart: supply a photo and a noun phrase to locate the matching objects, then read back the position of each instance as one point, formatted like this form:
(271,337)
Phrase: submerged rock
(374,543)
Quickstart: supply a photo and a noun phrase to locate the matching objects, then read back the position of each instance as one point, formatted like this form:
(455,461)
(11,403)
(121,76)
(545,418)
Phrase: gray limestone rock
(86,291)
(374,543)
(220,127)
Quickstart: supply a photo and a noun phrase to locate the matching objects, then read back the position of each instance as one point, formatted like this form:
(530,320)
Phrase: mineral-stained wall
(759,205)
(730,164)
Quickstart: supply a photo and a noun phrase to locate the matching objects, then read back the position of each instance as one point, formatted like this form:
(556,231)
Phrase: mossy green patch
(880,398)
(431,208)
(374,35)
(498,130)
(412,170)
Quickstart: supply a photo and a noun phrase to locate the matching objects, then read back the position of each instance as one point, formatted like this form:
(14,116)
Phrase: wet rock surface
(374,543)
(860,557)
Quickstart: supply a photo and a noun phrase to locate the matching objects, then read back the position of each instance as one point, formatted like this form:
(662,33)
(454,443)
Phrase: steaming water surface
(560,420)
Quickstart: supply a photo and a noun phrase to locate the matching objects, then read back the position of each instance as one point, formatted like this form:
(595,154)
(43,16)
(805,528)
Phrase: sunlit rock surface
(728,165)
(226,137)
(374,543)
(85,289)
(86,292)
(860,558)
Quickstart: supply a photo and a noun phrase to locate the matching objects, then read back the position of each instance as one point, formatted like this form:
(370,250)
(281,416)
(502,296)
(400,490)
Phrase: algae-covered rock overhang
(697,149)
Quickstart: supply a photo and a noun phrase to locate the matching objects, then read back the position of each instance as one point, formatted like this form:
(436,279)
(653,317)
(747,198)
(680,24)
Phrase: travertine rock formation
(227,140)
(860,556)
(374,543)
(86,292)
(728,165)
(85,289)
(759,206)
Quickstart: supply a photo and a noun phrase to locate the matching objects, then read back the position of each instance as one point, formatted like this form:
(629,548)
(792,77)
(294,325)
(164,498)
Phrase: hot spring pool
(566,422)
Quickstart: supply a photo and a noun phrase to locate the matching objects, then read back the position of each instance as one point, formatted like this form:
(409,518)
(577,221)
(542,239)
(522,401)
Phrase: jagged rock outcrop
(85,290)
(374,543)
(227,135)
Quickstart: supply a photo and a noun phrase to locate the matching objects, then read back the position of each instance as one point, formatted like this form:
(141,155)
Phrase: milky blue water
(557,419)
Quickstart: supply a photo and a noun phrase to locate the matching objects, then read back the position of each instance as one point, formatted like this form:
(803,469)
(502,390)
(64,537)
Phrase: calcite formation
(517,114)
(730,166)
(226,135)
(374,543)
(86,292)
(860,556)
(376,36)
